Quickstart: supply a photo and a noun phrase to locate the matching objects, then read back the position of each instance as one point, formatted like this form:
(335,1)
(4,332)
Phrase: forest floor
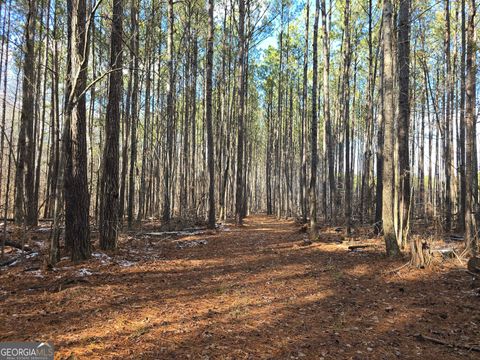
(250,292)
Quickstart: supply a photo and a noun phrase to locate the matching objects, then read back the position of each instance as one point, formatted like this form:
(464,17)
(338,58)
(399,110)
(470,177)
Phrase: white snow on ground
(191,243)
(104,258)
(179,233)
(223,227)
(126,263)
(37,273)
(84,272)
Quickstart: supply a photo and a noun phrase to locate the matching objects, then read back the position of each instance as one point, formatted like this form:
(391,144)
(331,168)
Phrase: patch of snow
(14,263)
(100,255)
(179,233)
(126,263)
(224,228)
(32,255)
(191,243)
(37,273)
(104,258)
(84,272)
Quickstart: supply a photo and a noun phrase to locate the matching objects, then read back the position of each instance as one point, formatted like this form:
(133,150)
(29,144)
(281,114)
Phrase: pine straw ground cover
(251,292)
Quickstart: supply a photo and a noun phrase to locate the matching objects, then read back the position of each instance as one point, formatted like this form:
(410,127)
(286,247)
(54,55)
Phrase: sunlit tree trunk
(208,119)
(471,165)
(388,150)
(313,166)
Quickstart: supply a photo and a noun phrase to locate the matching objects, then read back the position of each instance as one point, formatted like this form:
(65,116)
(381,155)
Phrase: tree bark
(403,57)
(346,116)
(77,230)
(110,187)
(241,109)
(208,119)
(329,164)
(303,138)
(313,166)
(471,165)
(133,114)
(25,136)
(461,144)
(170,115)
(388,150)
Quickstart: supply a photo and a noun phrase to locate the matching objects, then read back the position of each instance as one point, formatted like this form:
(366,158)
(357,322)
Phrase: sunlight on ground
(252,293)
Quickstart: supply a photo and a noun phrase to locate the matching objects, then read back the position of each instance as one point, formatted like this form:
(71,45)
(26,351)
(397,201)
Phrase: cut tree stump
(421,254)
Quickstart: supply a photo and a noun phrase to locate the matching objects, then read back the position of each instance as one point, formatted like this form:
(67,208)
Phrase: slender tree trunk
(127,123)
(241,109)
(365,186)
(448,121)
(77,230)
(133,114)
(6,44)
(110,186)
(346,116)
(328,150)
(403,57)
(170,115)
(378,228)
(26,119)
(146,134)
(461,144)
(303,137)
(43,110)
(208,119)
(31,217)
(388,150)
(471,168)
(313,166)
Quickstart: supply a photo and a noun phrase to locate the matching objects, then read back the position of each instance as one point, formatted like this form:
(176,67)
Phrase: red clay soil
(251,292)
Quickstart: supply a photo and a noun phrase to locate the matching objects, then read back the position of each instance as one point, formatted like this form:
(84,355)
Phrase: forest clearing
(255,292)
(239,179)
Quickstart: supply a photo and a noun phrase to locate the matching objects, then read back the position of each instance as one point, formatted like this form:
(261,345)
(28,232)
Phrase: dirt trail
(252,292)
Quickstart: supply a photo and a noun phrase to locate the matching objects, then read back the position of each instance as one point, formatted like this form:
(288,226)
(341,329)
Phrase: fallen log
(9,261)
(421,337)
(184,232)
(445,252)
(454,237)
(356,247)
(12,260)
(17,245)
